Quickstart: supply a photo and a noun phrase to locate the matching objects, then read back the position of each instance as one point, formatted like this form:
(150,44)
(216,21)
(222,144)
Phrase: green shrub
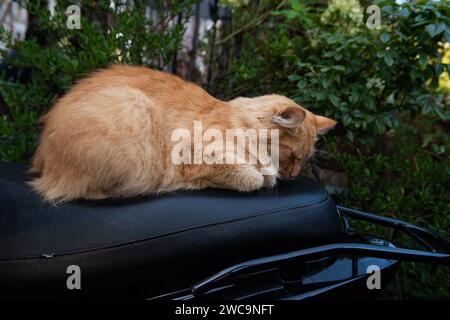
(46,64)
(366,77)
(363,78)
(381,85)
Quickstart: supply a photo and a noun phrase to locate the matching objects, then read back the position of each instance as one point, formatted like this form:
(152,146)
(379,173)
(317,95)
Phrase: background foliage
(388,88)
(40,69)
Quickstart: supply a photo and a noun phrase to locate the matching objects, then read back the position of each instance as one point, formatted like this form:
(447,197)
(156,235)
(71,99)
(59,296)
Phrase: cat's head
(298,129)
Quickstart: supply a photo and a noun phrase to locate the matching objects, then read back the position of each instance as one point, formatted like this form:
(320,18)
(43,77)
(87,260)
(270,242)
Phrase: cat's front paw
(270,176)
(270,181)
(250,179)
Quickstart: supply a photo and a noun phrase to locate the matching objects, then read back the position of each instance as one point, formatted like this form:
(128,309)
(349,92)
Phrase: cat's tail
(59,188)
(45,185)
(49,191)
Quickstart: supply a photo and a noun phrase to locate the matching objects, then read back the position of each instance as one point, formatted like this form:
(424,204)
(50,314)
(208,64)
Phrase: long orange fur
(110,136)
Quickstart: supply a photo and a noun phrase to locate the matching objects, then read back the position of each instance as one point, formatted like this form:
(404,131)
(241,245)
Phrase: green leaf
(349,135)
(339,68)
(431,28)
(389,59)
(388,121)
(346,119)
(391,98)
(438,69)
(332,40)
(353,98)
(441,27)
(289,14)
(294,77)
(385,37)
(423,61)
(320,95)
(435,29)
(388,9)
(357,113)
(379,126)
(404,12)
(296,5)
(447,35)
(334,100)
(370,104)
(440,114)
(325,83)
(301,84)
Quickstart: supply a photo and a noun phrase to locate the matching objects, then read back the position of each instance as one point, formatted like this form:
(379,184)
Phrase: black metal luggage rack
(331,271)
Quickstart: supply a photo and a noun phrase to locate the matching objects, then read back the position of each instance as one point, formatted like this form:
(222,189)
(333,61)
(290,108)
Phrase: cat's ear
(290,117)
(323,124)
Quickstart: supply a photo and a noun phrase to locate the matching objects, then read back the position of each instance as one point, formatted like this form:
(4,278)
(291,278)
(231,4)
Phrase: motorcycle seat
(138,242)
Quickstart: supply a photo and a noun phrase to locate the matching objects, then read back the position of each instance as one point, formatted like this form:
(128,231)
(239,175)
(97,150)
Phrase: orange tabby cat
(111,136)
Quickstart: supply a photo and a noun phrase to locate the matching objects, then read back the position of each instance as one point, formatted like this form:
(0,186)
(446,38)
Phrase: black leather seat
(128,243)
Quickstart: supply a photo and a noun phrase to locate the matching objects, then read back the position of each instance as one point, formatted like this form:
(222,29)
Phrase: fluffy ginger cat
(110,136)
